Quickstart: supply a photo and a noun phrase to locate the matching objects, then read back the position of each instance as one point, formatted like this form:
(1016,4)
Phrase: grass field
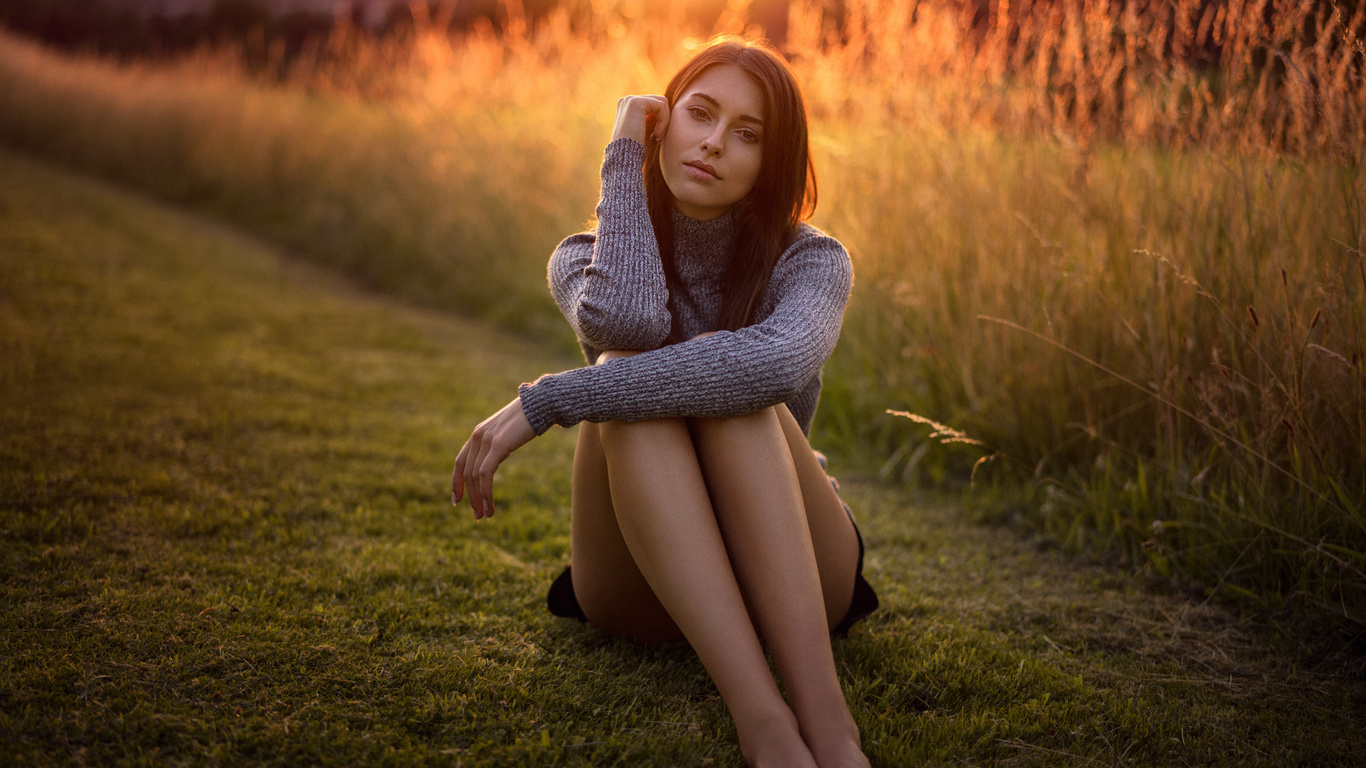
(1138,281)
(226,540)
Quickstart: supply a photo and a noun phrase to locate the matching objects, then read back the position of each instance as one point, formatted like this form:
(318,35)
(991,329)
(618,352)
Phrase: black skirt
(562,601)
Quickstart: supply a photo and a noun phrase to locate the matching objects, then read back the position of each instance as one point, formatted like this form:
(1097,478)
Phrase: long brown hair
(784,194)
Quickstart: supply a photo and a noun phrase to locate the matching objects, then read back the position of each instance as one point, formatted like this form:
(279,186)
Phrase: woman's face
(714,143)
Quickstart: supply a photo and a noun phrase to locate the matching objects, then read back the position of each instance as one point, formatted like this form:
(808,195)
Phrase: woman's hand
(492,441)
(639,116)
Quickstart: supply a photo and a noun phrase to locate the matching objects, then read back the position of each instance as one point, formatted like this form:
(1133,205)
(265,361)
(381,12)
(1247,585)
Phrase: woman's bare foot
(836,744)
(776,744)
(848,755)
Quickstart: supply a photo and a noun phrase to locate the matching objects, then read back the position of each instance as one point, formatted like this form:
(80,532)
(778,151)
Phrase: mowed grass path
(225,538)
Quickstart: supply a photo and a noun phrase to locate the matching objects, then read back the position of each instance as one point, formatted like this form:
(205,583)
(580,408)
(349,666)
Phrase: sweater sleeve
(610,283)
(726,374)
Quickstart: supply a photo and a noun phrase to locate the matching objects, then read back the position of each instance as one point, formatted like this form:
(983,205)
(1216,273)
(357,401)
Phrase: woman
(699,510)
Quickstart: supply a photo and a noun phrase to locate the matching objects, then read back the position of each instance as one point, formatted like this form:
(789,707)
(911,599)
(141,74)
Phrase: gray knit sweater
(610,285)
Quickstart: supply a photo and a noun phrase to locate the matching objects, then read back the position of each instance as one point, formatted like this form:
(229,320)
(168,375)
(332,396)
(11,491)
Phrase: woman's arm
(610,283)
(723,375)
(610,287)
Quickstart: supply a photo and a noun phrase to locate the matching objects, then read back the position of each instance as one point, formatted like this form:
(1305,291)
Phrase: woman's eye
(749,135)
(698,112)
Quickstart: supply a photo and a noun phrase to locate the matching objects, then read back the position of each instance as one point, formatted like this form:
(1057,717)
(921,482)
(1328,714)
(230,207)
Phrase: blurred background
(159,26)
(1109,254)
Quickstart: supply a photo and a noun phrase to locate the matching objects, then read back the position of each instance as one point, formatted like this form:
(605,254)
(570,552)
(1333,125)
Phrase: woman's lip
(703,170)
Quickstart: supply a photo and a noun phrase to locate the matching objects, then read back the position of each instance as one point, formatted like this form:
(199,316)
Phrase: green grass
(994,255)
(226,540)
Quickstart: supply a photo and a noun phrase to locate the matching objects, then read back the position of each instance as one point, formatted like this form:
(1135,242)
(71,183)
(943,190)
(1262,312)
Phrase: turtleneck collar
(694,238)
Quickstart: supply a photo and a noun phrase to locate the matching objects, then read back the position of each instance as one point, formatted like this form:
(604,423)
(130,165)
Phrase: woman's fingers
(464,476)
(479,474)
(479,478)
(639,116)
(491,443)
(661,118)
(476,448)
(488,464)
(458,475)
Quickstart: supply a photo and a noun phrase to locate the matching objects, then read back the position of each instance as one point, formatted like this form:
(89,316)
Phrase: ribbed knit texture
(611,288)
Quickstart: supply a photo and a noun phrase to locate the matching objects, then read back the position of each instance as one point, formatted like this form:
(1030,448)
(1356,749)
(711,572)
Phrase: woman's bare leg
(609,586)
(643,484)
(667,523)
(751,471)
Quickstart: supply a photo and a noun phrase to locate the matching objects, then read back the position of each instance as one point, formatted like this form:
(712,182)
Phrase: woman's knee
(649,429)
(756,423)
(613,354)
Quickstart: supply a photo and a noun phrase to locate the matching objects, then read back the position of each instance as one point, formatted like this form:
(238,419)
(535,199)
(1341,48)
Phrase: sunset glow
(1096,400)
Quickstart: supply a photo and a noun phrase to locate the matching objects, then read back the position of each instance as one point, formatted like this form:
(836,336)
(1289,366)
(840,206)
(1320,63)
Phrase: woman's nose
(714,143)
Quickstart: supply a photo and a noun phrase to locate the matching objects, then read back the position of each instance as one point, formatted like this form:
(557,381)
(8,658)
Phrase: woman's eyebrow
(717,104)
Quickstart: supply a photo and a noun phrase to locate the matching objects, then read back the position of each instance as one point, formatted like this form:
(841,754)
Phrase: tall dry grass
(1284,75)
(1120,246)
